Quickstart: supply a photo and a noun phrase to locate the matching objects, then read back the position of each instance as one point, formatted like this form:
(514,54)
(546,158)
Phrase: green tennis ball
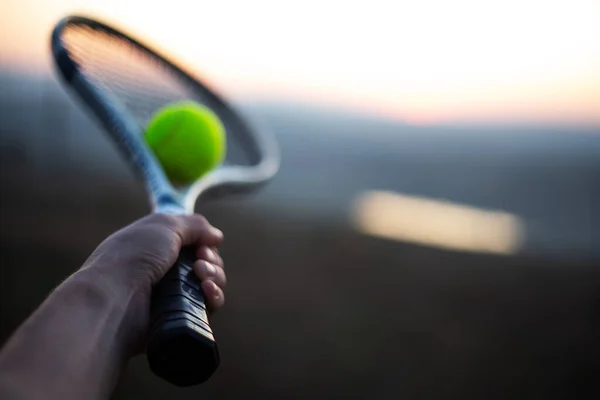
(188,139)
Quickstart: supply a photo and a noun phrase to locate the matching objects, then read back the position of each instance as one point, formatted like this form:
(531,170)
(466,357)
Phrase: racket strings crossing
(131,76)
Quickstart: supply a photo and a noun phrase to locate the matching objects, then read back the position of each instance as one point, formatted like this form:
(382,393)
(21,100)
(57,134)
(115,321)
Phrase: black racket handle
(181,347)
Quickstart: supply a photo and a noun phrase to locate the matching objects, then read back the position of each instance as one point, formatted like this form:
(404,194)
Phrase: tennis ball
(188,139)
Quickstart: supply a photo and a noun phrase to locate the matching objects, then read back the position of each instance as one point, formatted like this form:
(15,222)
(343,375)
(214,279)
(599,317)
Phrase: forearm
(73,347)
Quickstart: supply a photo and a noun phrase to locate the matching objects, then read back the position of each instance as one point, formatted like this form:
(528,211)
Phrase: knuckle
(200,219)
(162,219)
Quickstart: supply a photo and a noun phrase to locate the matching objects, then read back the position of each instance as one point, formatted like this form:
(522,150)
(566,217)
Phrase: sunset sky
(423,61)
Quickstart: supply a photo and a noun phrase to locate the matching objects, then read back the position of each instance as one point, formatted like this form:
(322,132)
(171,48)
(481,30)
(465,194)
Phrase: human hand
(129,262)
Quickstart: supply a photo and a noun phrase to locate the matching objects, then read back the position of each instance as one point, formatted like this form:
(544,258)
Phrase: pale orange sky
(423,61)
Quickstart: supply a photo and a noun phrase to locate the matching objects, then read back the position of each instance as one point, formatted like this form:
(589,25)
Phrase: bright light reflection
(437,223)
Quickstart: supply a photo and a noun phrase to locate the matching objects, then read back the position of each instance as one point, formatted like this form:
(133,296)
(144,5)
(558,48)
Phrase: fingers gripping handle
(181,348)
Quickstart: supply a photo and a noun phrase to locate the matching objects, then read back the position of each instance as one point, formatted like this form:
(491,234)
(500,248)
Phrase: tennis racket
(123,82)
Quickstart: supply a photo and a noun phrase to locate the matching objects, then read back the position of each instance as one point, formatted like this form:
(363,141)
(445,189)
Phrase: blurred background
(434,231)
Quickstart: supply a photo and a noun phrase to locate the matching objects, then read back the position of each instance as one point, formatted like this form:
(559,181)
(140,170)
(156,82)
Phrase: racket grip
(181,347)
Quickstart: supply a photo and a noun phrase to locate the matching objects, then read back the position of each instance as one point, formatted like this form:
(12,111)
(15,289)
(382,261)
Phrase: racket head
(124,82)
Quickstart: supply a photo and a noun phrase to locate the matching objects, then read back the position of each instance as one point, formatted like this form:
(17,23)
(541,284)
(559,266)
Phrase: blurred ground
(315,308)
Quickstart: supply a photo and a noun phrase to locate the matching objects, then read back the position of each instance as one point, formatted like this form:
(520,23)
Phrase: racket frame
(128,134)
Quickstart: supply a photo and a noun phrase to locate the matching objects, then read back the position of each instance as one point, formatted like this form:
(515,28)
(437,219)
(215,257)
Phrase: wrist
(109,297)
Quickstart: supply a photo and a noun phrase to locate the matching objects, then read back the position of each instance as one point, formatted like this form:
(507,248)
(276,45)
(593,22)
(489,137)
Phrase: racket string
(115,66)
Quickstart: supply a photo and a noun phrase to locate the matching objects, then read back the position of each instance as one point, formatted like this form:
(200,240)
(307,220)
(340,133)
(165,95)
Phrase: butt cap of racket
(181,355)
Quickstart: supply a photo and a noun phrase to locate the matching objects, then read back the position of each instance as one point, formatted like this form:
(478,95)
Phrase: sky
(420,61)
